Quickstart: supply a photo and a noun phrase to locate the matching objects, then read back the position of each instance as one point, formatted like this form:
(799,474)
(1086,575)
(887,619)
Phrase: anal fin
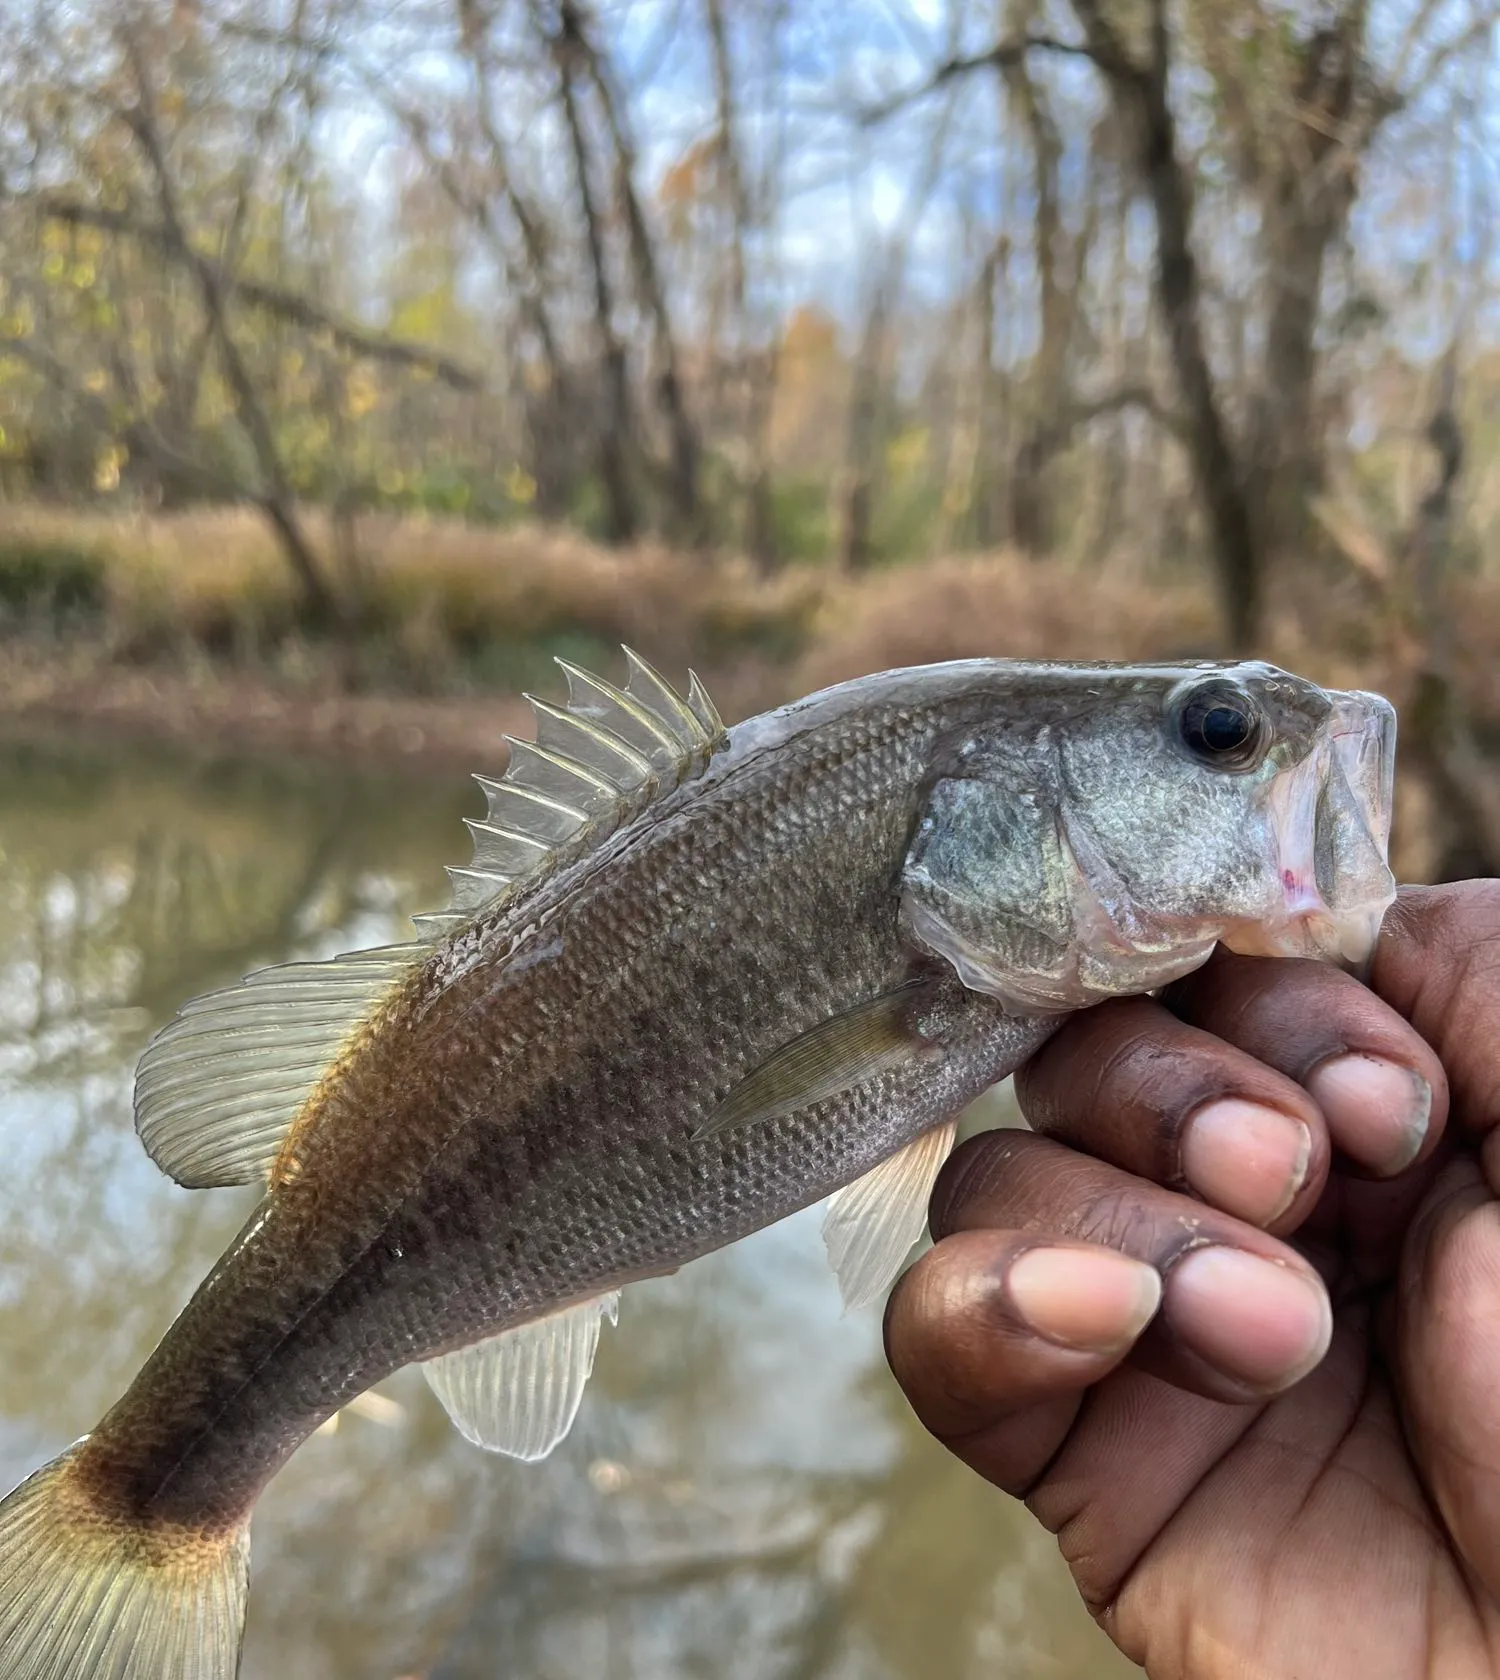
(517,1393)
(871,1224)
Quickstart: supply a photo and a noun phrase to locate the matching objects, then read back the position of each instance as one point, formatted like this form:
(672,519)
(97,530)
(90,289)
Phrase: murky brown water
(745,1497)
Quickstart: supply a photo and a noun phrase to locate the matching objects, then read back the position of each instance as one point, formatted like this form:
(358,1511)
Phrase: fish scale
(722,976)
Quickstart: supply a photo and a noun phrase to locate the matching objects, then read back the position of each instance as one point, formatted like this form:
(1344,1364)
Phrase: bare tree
(863,429)
(617,427)
(752,368)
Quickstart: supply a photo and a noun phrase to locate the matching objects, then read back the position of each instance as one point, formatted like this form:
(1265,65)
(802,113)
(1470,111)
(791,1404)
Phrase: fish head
(1108,843)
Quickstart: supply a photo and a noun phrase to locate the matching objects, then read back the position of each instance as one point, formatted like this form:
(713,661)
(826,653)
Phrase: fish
(692,980)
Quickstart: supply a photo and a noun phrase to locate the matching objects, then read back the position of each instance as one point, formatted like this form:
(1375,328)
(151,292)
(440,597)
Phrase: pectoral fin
(835,1056)
(871,1224)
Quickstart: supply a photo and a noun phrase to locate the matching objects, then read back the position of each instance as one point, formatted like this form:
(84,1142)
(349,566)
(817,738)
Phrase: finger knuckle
(1147,1228)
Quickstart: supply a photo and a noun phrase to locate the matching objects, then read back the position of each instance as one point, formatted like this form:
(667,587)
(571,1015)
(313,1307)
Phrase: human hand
(1268,1441)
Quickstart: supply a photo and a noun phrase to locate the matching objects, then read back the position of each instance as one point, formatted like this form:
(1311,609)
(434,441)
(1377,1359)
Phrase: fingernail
(1263,1324)
(1245,1158)
(1377,1110)
(1087,1298)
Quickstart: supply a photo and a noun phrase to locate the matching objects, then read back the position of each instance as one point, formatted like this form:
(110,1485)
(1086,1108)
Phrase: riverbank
(53,690)
(187,630)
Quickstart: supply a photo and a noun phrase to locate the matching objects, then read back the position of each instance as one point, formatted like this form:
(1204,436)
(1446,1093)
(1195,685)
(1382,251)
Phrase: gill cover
(994,884)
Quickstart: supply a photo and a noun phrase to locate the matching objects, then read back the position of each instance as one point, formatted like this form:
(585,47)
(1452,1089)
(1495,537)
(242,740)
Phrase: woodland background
(358,355)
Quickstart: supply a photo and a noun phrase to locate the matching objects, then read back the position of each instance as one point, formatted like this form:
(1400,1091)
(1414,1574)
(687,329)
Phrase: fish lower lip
(1301,901)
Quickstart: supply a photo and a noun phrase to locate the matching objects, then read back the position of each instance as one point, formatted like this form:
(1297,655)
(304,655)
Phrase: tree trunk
(621,519)
(753,374)
(861,438)
(981,530)
(971,339)
(1305,208)
(761,541)
(275,497)
(1442,737)
(1030,515)
(1234,526)
(551,411)
(671,395)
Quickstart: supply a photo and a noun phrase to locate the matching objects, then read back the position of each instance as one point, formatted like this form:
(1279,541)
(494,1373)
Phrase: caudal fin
(84,1596)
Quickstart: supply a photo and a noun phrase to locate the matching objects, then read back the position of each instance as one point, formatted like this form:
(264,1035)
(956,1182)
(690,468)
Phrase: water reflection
(745,1497)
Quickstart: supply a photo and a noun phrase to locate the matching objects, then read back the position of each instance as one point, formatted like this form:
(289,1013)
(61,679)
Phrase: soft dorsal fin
(218,1089)
(518,1392)
(871,1224)
(595,763)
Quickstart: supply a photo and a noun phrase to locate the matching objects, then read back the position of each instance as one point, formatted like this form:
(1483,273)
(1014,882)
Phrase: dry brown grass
(440,602)
(442,591)
(450,605)
(1000,606)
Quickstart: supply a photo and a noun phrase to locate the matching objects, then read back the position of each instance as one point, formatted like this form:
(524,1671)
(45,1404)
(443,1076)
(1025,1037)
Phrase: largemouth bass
(693,980)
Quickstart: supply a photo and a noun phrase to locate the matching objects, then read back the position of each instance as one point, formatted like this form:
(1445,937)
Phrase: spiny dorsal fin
(518,1392)
(218,1087)
(596,762)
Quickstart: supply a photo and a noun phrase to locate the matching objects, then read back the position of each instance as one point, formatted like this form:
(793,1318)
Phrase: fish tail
(86,1594)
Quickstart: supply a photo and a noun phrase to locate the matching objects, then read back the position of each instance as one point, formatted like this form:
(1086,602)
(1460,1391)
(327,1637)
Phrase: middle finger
(1242,1315)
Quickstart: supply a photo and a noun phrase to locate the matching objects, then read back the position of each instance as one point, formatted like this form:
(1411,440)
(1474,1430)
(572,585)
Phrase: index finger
(1379,1084)
(1437,963)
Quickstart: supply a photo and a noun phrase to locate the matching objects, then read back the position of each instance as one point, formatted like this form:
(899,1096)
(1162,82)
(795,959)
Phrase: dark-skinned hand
(1229,1319)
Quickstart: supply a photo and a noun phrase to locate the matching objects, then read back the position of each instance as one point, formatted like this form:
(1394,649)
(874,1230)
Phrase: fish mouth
(1330,816)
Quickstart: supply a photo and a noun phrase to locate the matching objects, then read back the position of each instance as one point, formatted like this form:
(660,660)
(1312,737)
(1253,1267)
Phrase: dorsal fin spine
(704,709)
(559,762)
(220,1087)
(665,698)
(496,831)
(494,791)
(600,740)
(581,683)
(581,781)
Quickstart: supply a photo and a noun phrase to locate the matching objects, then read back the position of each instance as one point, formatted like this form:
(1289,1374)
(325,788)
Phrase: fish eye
(1222,726)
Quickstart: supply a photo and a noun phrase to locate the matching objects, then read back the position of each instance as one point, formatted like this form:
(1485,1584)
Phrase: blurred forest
(794,339)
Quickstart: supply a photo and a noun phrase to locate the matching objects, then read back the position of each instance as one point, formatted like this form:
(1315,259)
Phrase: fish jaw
(1111,954)
(1331,819)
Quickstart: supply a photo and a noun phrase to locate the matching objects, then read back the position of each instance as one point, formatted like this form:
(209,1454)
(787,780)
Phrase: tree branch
(1001,56)
(1439,717)
(576,37)
(280,301)
(1130,396)
(1141,96)
(138,435)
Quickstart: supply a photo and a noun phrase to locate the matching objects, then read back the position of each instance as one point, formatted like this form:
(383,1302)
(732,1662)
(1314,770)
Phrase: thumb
(1448,1358)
